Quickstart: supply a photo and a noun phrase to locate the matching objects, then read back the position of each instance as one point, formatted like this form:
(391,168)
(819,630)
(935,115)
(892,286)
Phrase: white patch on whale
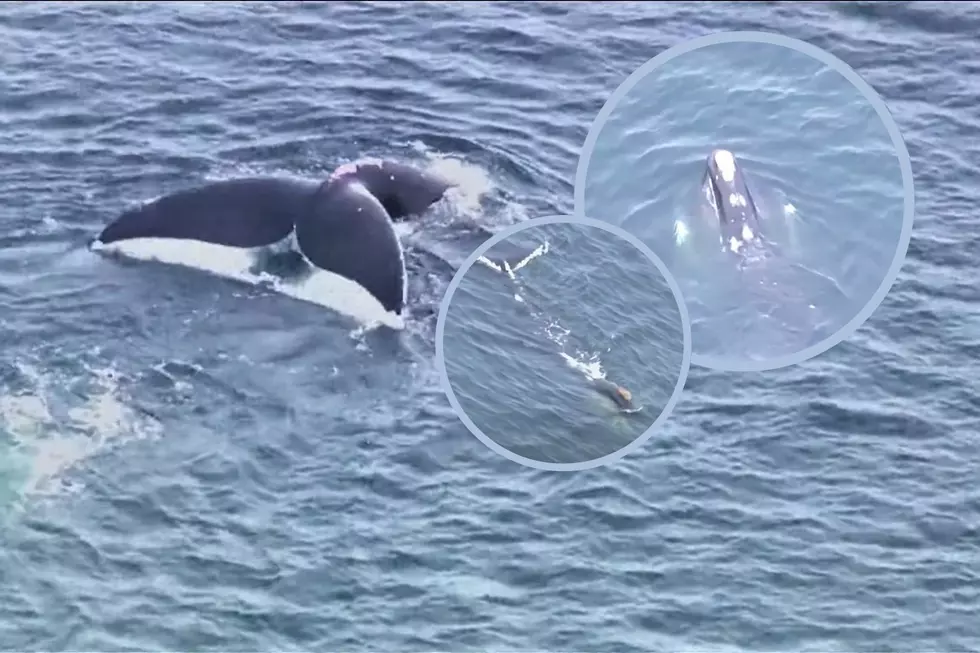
(321,287)
(725,161)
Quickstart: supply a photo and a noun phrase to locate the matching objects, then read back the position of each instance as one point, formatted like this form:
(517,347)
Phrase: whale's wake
(587,363)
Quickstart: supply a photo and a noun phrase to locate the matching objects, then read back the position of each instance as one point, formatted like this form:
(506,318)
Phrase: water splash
(589,364)
(681,232)
(49,432)
(471,182)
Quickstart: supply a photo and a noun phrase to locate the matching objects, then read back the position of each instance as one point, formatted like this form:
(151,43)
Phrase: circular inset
(563,343)
(771,180)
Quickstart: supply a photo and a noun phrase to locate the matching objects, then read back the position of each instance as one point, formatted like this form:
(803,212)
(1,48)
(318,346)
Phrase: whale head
(622,397)
(727,193)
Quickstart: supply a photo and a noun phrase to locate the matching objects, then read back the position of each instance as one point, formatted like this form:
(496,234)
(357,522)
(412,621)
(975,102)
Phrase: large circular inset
(771,180)
(563,343)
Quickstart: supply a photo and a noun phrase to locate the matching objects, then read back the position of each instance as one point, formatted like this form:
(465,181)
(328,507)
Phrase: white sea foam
(48,443)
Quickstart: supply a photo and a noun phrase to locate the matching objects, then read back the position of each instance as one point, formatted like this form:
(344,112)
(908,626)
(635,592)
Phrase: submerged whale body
(342,227)
(802,303)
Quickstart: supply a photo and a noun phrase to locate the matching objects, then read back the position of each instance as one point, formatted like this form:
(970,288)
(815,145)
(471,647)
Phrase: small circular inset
(771,180)
(563,343)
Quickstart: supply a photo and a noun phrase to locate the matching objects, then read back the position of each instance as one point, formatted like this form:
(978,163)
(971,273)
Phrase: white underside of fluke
(320,287)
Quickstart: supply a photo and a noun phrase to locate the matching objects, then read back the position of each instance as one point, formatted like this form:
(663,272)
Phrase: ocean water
(194,464)
(527,337)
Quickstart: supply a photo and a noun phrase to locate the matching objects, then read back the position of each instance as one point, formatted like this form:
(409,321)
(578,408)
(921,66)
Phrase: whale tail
(342,226)
(348,228)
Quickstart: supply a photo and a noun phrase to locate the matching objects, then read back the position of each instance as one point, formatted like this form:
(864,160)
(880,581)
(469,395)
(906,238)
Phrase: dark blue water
(192,464)
(527,338)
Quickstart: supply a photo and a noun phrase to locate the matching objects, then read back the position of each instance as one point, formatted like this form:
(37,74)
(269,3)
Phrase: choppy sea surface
(188,463)
(543,323)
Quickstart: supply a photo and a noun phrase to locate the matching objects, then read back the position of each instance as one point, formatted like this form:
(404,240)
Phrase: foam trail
(490,264)
(540,250)
(591,369)
(589,366)
(47,443)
